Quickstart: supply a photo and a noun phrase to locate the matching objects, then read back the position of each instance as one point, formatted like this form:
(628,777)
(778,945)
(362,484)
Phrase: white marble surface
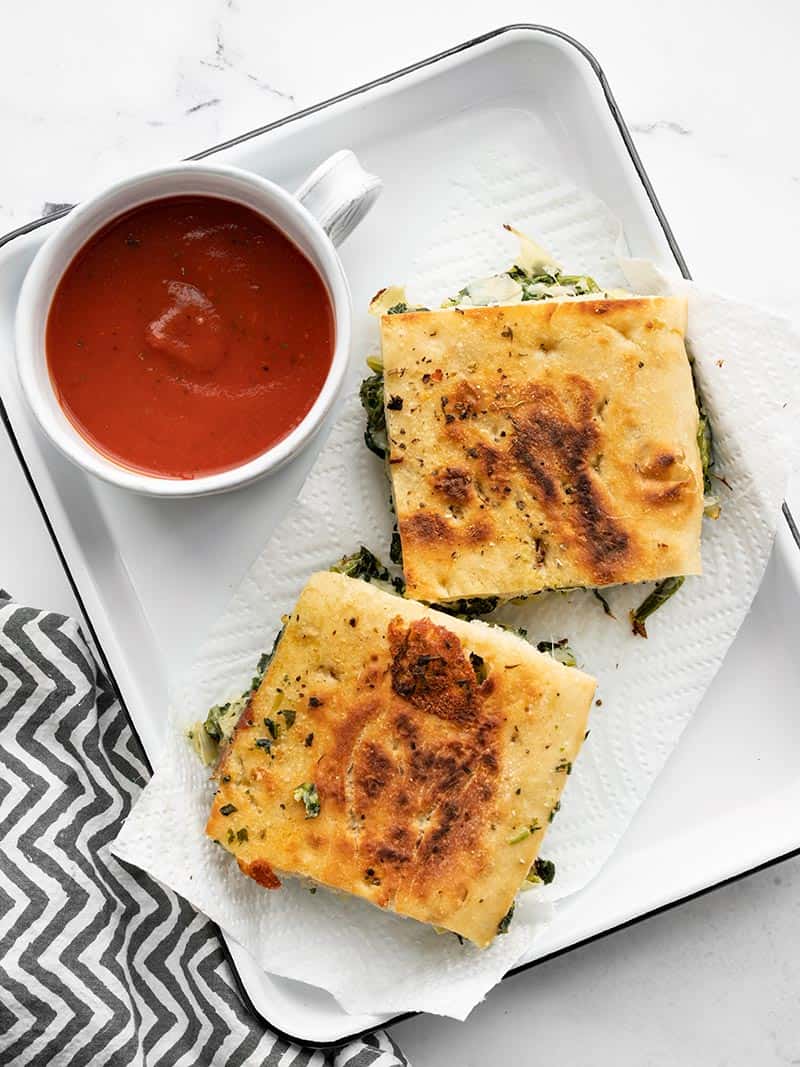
(90,90)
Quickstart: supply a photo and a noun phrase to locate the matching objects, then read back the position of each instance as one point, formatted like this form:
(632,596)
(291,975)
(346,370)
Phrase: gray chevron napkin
(98,963)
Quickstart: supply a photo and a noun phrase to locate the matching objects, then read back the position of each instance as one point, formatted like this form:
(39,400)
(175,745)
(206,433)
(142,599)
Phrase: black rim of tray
(681,262)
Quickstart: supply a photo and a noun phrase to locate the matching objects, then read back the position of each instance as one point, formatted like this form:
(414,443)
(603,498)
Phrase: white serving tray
(152,575)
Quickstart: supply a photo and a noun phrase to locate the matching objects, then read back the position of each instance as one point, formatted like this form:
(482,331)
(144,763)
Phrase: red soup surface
(188,336)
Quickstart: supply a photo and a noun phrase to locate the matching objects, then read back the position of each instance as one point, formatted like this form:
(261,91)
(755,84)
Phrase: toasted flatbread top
(542,445)
(434,750)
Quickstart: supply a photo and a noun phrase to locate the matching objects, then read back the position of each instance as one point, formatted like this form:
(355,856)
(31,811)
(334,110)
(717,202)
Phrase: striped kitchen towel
(98,963)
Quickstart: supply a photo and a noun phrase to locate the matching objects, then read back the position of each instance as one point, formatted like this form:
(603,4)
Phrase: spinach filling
(560,651)
(664,589)
(470,607)
(307,795)
(705,445)
(210,736)
(543,282)
(396,548)
(505,922)
(372,400)
(542,871)
(366,566)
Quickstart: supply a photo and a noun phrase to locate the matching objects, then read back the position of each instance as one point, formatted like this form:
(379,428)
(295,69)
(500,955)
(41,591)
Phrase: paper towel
(747,362)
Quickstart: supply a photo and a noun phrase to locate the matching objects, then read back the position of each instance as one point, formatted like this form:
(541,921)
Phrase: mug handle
(339,193)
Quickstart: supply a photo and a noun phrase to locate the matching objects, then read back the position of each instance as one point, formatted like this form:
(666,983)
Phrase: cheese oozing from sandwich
(401,755)
(544,445)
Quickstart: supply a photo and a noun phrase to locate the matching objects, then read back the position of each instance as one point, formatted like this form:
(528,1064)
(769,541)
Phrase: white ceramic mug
(325,209)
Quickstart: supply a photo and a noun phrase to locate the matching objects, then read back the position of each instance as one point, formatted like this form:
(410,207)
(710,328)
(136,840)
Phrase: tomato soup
(188,337)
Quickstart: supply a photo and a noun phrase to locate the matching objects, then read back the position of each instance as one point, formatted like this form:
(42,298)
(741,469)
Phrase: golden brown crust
(555,449)
(454,484)
(433,743)
(545,445)
(260,872)
(430,671)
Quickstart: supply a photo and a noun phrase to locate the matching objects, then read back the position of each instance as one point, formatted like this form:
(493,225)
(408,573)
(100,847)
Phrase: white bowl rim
(70,442)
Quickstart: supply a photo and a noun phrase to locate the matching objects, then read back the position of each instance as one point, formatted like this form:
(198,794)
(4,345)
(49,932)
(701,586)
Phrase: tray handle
(339,193)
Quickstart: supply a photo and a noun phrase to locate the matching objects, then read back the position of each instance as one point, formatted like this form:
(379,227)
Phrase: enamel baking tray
(152,575)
